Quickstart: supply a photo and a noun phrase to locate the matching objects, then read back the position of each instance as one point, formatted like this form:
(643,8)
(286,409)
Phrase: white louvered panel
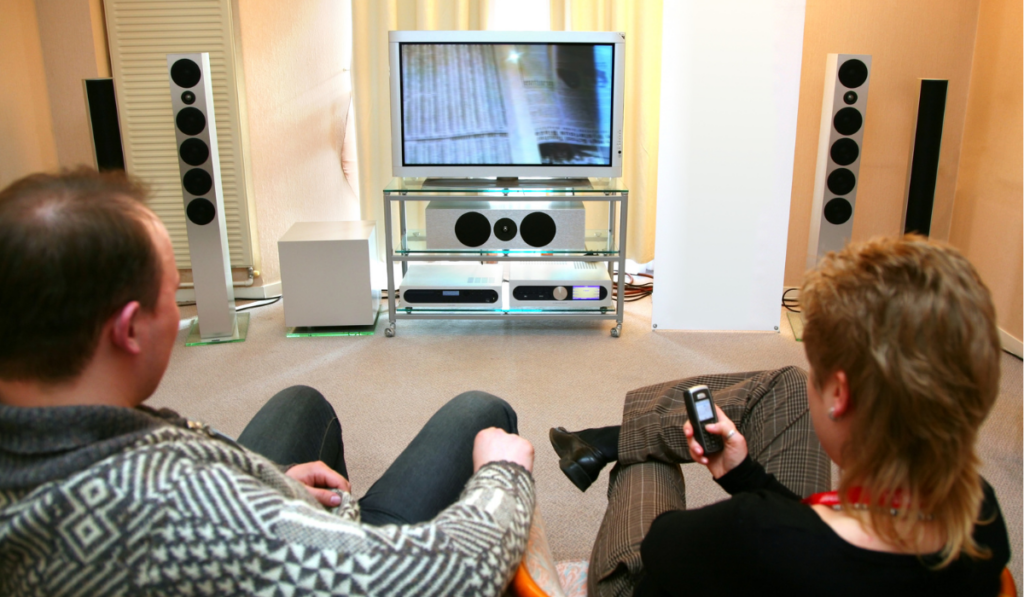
(141,33)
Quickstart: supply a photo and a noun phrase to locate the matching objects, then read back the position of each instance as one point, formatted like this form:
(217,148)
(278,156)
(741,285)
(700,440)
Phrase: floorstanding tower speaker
(101,106)
(843,110)
(199,164)
(924,157)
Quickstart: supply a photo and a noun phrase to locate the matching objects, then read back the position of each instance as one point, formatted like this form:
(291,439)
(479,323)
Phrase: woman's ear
(839,393)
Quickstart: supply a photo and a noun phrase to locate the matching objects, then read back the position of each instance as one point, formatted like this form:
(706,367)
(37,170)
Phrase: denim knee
(487,408)
(302,399)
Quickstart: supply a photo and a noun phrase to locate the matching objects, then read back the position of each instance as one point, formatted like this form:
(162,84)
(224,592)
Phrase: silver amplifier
(447,285)
(559,285)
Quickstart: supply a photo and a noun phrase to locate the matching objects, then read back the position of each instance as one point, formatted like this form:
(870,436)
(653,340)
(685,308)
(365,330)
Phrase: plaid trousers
(770,410)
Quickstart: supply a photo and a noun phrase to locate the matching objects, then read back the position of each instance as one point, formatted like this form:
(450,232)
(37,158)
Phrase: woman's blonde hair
(913,327)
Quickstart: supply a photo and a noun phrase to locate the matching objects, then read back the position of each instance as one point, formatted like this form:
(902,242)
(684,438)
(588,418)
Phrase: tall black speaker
(101,106)
(924,157)
(199,164)
(841,136)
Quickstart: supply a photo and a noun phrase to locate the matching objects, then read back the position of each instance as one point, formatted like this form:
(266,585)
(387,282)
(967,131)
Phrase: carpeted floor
(553,372)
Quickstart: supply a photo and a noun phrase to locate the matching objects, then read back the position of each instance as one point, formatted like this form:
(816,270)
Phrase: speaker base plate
(240,326)
(326,331)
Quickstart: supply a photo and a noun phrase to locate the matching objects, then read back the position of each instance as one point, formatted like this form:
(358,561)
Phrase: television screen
(506,104)
(509,107)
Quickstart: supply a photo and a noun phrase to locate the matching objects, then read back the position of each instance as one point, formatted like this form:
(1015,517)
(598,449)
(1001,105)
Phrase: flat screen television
(482,104)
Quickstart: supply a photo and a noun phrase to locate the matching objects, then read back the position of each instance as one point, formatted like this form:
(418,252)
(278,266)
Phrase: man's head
(80,256)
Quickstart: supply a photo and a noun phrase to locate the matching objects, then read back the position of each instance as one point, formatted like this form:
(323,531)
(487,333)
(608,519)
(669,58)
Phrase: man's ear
(123,333)
(839,390)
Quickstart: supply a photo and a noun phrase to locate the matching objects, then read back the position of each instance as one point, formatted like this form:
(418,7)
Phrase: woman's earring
(832,414)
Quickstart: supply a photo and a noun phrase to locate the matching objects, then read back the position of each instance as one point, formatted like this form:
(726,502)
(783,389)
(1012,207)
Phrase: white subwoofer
(836,177)
(496,225)
(199,165)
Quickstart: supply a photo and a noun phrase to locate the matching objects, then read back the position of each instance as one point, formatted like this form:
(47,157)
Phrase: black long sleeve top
(763,541)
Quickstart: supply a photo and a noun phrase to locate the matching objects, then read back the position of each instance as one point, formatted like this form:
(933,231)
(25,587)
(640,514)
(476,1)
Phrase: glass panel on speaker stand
(238,335)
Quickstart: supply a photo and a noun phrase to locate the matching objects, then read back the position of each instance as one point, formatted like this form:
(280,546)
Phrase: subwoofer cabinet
(469,224)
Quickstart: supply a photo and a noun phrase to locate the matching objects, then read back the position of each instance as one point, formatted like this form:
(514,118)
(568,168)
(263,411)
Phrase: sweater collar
(38,445)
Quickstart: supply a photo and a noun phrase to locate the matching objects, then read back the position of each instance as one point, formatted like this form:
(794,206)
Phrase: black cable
(631,290)
(254,305)
(791,304)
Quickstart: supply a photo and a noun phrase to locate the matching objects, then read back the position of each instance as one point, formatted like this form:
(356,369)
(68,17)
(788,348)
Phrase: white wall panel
(729,96)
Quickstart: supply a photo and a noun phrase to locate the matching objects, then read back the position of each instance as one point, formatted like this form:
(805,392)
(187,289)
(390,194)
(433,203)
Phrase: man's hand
(730,457)
(493,444)
(317,475)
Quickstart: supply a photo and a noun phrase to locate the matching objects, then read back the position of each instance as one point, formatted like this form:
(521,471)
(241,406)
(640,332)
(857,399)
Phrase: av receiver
(441,286)
(559,285)
(498,225)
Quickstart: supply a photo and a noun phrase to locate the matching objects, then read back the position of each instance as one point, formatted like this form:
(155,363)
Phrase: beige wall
(296,58)
(26,130)
(908,40)
(987,214)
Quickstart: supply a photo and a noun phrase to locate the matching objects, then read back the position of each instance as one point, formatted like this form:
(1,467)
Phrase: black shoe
(580,461)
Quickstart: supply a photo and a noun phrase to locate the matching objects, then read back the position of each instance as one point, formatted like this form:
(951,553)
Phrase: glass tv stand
(606,242)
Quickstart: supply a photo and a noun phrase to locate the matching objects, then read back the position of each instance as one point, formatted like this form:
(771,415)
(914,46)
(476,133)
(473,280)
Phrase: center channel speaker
(199,164)
(839,151)
(499,225)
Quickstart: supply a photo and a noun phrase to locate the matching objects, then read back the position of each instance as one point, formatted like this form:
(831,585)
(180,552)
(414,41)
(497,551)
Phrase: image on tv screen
(505,104)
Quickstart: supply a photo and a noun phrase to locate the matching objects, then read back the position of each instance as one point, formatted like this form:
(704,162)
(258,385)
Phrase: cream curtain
(371,21)
(639,19)
(641,22)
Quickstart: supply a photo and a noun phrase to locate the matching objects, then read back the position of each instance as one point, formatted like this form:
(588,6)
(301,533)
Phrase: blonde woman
(904,357)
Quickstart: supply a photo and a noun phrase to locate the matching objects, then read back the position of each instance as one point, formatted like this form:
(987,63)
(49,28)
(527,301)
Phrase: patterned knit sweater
(111,501)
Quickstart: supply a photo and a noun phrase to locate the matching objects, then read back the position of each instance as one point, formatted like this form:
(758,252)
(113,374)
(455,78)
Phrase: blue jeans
(298,425)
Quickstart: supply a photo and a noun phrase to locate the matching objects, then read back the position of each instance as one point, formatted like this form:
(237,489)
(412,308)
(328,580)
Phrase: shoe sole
(576,474)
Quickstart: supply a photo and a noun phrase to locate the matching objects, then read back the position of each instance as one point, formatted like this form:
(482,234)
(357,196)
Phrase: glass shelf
(487,187)
(474,313)
(597,242)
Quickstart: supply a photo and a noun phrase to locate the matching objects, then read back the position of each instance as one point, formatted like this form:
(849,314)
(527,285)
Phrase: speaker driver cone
(197,181)
(841,181)
(844,152)
(201,211)
(853,73)
(537,229)
(472,229)
(838,211)
(194,152)
(190,121)
(185,73)
(848,121)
